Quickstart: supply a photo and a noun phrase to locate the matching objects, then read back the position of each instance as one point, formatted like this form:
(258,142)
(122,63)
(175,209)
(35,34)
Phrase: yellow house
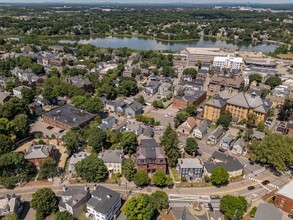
(213,108)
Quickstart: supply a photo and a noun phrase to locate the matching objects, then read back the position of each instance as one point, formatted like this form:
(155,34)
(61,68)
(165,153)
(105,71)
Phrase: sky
(151,1)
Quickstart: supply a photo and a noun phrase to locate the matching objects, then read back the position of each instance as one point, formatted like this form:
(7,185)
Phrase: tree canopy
(160,199)
(274,149)
(141,178)
(225,119)
(191,72)
(63,216)
(191,146)
(169,141)
(47,168)
(44,201)
(139,208)
(92,169)
(160,179)
(255,77)
(219,176)
(233,207)
(128,169)
(273,81)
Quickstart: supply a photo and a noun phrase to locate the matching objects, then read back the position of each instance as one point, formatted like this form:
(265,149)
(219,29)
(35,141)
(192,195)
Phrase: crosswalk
(259,181)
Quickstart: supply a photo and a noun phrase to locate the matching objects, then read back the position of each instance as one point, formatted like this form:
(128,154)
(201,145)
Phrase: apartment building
(220,83)
(234,63)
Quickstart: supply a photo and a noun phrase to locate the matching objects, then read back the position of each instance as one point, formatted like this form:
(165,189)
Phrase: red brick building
(181,102)
(150,157)
(284,198)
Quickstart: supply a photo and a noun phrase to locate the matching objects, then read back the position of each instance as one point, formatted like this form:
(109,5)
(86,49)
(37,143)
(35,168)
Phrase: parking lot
(41,126)
(160,115)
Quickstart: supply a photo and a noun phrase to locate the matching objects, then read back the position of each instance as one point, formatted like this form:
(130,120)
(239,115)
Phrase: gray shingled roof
(103,199)
(187,163)
(38,151)
(76,195)
(216,102)
(112,156)
(267,212)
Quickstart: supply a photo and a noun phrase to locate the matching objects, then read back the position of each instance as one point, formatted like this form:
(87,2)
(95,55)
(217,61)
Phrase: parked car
(50,127)
(265,182)
(215,196)
(210,207)
(61,131)
(290,215)
(251,187)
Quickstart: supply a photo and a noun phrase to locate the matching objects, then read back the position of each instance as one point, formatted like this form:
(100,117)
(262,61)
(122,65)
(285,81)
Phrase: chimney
(86,188)
(64,188)
(181,161)
(109,196)
(95,187)
(193,155)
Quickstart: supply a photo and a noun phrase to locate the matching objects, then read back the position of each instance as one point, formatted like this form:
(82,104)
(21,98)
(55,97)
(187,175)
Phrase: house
(36,153)
(17,91)
(195,98)
(9,204)
(120,110)
(258,135)
(268,212)
(104,204)
(276,101)
(113,105)
(73,200)
(150,157)
(213,108)
(226,142)
(201,130)
(80,82)
(284,198)
(216,135)
(4,97)
(190,168)
(187,127)
(238,146)
(113,160)
(152,87)
(134,109)
(134,127)
(35,108)
(148,132)
(68,116)
(75,158)
(164,88)
(220,83)
(107,123)
(229,163)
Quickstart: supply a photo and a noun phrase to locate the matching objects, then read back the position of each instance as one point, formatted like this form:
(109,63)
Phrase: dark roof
(267,212)
(148,131)
(103,199)
(112,156)
(135,106)
(149,145)
(76,194)
(70,115)
(225,161)
(192,97)
(218,132)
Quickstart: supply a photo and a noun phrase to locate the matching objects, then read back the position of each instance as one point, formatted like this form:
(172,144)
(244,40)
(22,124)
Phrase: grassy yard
(175,174)
(286,56)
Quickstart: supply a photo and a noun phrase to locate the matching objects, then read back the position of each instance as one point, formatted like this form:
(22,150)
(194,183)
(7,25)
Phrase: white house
(201,130)
(104,204)
(239,146)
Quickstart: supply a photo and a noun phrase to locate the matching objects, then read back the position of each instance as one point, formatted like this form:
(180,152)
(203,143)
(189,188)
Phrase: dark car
(61,131)
(251,187)
(290,215)
(265,182)
(215,196)
(50,127)
(210,207)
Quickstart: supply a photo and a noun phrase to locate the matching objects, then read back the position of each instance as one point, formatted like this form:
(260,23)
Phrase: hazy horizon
(215,2)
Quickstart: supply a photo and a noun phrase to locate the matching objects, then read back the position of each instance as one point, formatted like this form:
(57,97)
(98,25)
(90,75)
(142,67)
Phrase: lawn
(175,174)
(286,56)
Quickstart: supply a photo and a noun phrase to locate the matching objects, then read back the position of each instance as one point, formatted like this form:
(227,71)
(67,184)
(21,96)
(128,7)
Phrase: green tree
(139,208)
(38,69)
(128,169)
(12,216)
(264,92)
(6,144)
(248,134)
(191,72)
(159,178)
(233,207)
(44,201)
(92,169)
(273,81)
(225,119)
(141,178)
(141,100)
(169,141)
(268,150)
(261,126)
(219,176)
(70,140)
(20,125)
(191,146)
(129,142)
(28,94)
(251,120)
(96,138)
(63,216)
(47,168)
(180,118)
(255,77)
(190,110)
(160,199)
(13,169)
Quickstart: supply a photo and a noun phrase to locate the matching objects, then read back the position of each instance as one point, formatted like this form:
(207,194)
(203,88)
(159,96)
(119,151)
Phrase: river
(152,44)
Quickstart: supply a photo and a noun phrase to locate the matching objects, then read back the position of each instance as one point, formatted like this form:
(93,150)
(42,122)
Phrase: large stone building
(68,116)
(150,157)
(220,83)
(239,104)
